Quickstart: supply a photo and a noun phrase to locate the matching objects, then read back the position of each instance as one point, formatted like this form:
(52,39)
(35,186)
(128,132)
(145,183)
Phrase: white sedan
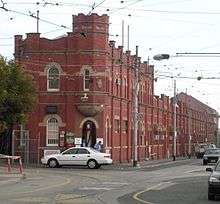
(85,156)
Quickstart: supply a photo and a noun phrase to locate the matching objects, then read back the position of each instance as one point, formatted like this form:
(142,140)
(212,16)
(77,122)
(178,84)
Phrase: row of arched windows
(53,78)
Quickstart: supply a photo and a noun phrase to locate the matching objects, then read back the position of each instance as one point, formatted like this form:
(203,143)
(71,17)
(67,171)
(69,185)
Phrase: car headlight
(214,179)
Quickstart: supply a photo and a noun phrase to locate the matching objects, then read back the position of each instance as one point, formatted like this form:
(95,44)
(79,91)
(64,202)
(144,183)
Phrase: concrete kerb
(146,163)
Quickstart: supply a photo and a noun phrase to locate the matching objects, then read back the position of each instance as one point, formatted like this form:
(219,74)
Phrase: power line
(94,6)
(121,8)
(3,5)
(32,16)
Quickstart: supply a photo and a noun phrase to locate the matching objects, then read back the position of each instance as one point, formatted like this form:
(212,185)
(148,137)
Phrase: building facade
(85,93)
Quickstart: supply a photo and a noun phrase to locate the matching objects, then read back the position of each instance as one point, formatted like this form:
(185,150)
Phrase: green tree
(17,96)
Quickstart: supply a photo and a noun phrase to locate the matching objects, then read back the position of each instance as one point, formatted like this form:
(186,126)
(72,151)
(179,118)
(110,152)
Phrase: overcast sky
(156,26)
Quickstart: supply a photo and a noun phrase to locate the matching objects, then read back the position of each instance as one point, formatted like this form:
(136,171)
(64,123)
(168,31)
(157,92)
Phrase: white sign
(99,139)
(51,151)
(78,141)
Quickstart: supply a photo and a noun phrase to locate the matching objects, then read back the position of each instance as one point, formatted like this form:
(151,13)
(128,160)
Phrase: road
(179,182)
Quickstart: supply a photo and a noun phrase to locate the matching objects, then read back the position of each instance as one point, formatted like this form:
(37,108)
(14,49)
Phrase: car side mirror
(209,169)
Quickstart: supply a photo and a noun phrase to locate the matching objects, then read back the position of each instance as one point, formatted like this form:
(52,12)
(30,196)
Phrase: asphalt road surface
(178,191)
(174,182)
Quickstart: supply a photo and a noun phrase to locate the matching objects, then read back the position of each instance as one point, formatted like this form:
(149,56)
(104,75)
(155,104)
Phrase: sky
(156,27)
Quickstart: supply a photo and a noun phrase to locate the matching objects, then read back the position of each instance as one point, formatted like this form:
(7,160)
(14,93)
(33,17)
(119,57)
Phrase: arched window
(52,132)
(125,86)
(86,79)
(53,78)
(142,133)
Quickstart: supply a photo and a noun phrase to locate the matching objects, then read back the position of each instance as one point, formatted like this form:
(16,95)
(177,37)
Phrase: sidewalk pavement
(146,163)
(15,175)
(8,177)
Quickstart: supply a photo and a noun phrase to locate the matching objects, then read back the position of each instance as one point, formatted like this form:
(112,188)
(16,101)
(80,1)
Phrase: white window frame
(48,78)
(86,78)
(23,136)
(55,130)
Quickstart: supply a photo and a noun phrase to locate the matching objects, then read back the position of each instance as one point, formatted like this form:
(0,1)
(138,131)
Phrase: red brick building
(84,86)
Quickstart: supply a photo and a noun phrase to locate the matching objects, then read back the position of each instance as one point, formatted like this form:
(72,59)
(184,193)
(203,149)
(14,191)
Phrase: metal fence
(25,147)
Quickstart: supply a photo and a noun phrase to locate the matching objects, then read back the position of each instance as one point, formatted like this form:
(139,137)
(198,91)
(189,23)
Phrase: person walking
(98,146)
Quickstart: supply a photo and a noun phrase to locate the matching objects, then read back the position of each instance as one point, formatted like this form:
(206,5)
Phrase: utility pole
(37,21)
(122,33)
(189,126)
(128,40)
(135,110)
(174,122)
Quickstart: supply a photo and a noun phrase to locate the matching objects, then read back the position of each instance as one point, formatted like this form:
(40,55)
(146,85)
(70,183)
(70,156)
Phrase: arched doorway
(89,134)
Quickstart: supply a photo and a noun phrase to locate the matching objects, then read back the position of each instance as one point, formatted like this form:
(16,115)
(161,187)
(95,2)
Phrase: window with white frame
(125,126)
(125,86)
(23,135)
(142,133)
(52,132)
(117,125)
(86,79)
(53,78)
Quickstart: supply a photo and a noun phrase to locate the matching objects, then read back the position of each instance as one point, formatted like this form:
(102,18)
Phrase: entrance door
(89,134)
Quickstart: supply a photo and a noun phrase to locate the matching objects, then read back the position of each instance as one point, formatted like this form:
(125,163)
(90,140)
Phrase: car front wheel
(52,163)
(92,164)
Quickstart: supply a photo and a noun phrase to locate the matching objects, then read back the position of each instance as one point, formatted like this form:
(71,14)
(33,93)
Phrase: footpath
(16,176)
(147,164)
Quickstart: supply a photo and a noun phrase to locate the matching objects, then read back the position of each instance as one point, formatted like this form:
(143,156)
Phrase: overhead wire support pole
(128,40)
(135,110)
(174,121)
(37,21)
(3,5)
(187,101)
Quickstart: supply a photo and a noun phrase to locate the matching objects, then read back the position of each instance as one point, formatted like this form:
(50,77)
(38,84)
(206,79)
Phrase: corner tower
(92,31)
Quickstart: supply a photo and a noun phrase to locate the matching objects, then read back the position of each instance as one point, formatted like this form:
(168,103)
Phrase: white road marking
(96,188)
(114,183)
(163,186)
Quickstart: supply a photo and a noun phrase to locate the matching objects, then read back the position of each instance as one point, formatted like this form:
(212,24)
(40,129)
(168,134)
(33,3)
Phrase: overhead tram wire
(198,54)
(160,76)
(94,6)
(58,2)
(121,8)
(32,16)
(126,6)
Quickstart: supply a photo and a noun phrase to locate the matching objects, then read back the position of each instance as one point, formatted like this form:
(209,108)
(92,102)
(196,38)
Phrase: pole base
(135,164)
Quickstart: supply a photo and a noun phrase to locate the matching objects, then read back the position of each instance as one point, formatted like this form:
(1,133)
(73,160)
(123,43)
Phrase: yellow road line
(135,196)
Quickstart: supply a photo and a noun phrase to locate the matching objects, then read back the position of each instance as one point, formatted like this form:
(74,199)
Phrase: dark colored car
(211,156)
(214,181)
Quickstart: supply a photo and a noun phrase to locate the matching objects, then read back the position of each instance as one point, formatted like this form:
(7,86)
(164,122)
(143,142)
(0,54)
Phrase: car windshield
(213,151)
(94,150)
(217,167)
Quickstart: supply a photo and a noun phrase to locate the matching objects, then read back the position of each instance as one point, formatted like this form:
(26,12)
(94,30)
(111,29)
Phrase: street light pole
(174,121)
(189,126)
(158,58)
(135,110)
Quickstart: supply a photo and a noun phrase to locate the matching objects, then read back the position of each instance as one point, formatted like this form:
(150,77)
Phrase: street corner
(7,177)
(10,178)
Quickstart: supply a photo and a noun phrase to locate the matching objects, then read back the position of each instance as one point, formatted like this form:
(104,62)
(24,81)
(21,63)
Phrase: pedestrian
(98,146)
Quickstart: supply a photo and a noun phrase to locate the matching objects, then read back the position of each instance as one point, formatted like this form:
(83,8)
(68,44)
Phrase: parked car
(214,181)
(84,156)
(211,156)
(200,149)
